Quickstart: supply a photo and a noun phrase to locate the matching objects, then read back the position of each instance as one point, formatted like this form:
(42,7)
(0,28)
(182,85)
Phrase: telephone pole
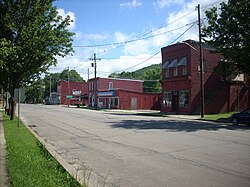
(68,100)
(95,66)
(201,68)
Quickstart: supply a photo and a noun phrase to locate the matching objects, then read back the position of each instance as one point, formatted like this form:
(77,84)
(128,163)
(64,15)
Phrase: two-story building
(181,81)
(127,94)
(72,93)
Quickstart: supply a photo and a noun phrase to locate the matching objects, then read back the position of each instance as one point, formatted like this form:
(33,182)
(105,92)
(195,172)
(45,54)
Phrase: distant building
(73,93)
(121,94)
(181,82)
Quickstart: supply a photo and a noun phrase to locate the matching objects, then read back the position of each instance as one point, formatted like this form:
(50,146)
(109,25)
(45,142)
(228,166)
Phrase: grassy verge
(29,163)
(219,117)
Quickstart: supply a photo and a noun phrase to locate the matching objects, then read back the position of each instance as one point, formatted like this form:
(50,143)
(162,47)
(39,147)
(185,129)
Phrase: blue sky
(105,27)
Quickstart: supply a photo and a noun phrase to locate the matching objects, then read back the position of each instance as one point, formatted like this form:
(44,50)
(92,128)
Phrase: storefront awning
(183,62)
(173,64)
(165,64)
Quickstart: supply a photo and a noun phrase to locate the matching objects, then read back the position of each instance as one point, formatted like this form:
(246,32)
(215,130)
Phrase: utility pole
(88,74)
(95,66)
(68,100)
(50,88)
(201,68)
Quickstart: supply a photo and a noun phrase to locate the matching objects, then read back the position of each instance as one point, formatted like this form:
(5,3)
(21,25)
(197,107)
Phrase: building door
(175,101)
(133,103)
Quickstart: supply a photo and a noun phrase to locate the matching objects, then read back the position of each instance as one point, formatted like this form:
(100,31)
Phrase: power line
(134,40)
(158,51)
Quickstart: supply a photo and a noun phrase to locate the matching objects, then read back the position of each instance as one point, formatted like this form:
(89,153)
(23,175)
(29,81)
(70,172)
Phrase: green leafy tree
(50,79)
(151,76)
(35,92)
(228,30)
(32,34)
(73,75)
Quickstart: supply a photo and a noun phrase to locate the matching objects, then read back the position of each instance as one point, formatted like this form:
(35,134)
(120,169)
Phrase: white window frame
(110,85)
(184,98)
(175,69)
(167,99)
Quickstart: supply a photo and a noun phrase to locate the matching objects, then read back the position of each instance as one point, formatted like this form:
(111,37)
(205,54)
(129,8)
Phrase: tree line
(151,76)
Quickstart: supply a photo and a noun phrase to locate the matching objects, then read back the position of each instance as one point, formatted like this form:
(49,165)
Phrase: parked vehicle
(241,118)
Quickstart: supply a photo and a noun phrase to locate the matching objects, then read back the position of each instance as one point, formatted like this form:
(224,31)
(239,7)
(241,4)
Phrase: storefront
(128,100)
(108,99)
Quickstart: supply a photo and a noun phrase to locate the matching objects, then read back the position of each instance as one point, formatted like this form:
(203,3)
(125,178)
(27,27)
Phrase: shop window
(114,101)
(184,98)
(167,99)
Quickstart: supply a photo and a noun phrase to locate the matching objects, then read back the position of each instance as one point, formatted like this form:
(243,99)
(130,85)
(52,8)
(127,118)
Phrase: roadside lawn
(225,117)
(29,163)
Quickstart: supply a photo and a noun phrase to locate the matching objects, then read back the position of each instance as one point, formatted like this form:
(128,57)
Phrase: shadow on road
(175,126)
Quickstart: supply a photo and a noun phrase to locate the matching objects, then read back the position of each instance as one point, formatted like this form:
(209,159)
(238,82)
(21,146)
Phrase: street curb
(83,174)
(4,176)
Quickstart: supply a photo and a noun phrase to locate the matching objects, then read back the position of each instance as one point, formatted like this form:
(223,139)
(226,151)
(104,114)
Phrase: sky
(126,35)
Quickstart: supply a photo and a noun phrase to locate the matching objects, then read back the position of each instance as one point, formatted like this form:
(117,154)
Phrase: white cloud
(120,37)
(133,54)
(62,13)
(131,4)
(166,3)
(97,37)
(133,62)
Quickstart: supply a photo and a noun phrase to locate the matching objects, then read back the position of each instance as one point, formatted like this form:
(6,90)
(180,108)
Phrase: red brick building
(77,91)
(181,82)
(121,94)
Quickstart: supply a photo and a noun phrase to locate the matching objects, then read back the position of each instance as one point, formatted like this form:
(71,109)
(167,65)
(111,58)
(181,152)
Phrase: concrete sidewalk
(4,179)
(154,113)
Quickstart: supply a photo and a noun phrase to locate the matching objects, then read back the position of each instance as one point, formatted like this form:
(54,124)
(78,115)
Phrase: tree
(35,92)
(228,30)
(151,76)
(32,34)
(73,75)
(50,79)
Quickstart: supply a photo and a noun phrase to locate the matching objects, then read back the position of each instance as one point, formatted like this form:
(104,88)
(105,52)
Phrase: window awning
(173,64)
(183,62)
(165,64)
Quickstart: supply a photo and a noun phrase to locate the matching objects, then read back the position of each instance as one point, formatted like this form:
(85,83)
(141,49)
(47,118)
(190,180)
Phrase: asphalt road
(131,151)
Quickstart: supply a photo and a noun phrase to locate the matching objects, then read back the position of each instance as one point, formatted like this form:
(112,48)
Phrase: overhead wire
(157,51)
(146,36)
(134,40)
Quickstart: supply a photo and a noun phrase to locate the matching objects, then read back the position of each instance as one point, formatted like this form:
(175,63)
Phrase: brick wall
(62,88)
(144,101)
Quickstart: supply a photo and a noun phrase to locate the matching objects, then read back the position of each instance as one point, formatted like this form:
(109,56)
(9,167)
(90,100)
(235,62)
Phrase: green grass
(29,163)
(219,117)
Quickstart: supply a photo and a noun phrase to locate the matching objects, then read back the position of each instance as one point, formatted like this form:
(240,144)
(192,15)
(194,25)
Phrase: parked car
(242,117)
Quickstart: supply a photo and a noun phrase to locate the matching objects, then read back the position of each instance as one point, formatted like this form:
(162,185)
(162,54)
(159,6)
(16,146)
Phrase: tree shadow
(175,125)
